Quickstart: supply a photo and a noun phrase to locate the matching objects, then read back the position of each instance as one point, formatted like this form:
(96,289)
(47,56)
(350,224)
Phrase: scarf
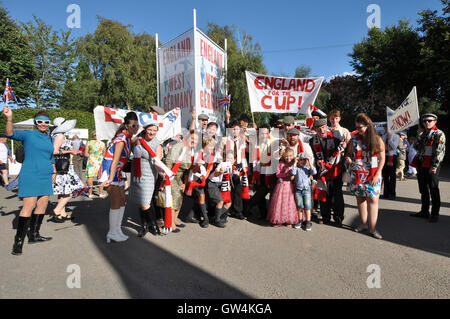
(332,168)
(262,168)
(427,152)
(200,175)
(225,187)
(362,175)
(243,172)
(137,173)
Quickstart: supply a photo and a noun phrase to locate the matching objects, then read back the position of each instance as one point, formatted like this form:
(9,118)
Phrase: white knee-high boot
(119,223)
(113,234)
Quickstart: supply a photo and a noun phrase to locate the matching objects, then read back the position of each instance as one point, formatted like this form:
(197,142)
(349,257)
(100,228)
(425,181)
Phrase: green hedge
(84,119)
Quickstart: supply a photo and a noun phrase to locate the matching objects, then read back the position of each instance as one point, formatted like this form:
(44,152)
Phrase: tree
(16,59)
(81,92)
(389,61)
(54,57)
(435,49)
(123,63)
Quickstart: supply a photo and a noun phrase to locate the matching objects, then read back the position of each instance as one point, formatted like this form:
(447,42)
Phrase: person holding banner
(430,146)
(391,141)
(116,157)
(36,177)
(365,155)
(147,153)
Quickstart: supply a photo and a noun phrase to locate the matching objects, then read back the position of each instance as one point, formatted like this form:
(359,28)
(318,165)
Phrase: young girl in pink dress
(283,209)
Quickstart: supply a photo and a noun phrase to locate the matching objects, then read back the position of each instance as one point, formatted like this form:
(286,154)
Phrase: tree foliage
(16,59)
(54,56)
(124,64)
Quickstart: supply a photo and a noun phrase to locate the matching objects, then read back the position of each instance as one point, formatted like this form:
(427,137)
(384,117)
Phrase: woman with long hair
(144,175)
(95,151)
(365,156)
(36,177)
(67,181)
(116,157)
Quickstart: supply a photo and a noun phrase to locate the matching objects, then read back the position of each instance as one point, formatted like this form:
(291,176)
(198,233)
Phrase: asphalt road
(247,259)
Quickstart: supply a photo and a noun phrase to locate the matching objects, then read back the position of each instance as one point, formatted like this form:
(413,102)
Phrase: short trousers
(2,167)
(213,192)
(303,198)
(198,191)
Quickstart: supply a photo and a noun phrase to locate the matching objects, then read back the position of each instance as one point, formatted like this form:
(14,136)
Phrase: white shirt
(3,153)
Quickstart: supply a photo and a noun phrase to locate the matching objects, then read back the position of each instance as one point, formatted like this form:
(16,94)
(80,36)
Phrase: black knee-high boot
(205,222)
(144,222)
(22,228)
(35,226)
(152,226)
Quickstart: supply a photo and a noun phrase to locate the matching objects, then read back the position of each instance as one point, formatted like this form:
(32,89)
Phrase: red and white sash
(225,187)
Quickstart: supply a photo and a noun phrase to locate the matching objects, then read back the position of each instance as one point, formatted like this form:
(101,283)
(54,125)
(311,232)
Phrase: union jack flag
(9,93)
(81,192)
(225,101)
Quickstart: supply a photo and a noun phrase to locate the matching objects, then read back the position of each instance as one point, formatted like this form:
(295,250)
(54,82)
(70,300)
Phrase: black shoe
(35,226)
(338,222)
(240,216)
(204,223)
(433,218)
(190,218)
(217,221)
(420,215)
(181,225)
(177,230)
(391,197)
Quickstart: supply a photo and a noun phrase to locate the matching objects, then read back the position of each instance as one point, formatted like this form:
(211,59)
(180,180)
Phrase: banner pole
(157,70)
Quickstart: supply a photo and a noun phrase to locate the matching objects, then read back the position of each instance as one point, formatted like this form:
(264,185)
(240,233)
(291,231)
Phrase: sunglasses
(134,126)
(360,127)
(40,122)
(428,121)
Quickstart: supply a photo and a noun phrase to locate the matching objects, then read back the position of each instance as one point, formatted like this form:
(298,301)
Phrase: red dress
(283,209)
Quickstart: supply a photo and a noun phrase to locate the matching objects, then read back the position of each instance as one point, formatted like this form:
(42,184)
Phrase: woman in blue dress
(36,177)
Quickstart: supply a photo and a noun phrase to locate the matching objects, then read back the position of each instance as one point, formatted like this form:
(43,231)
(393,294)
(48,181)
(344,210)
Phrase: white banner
(209,79)
(177,75)
(275,94)
(108,120)
(406,115)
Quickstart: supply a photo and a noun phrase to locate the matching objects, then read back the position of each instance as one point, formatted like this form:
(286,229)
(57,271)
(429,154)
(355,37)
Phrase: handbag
(62,163)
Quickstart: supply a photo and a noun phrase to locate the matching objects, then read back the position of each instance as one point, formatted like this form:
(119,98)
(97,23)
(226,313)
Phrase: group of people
(303,170)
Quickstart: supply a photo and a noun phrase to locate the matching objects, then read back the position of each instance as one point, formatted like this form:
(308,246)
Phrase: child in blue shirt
(303,170)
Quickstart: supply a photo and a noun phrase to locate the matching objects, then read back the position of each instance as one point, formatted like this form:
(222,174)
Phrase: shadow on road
(146,270)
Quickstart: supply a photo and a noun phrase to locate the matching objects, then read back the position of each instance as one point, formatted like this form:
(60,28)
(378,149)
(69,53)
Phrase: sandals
(56,218)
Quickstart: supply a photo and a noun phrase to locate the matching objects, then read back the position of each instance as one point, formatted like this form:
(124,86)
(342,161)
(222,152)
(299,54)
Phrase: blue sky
(291,33)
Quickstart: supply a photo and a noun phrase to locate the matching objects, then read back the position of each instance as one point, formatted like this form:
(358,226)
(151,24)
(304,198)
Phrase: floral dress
(95,150)
(70,182)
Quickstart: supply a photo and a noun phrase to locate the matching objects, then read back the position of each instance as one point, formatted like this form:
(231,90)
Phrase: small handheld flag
(8,94)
